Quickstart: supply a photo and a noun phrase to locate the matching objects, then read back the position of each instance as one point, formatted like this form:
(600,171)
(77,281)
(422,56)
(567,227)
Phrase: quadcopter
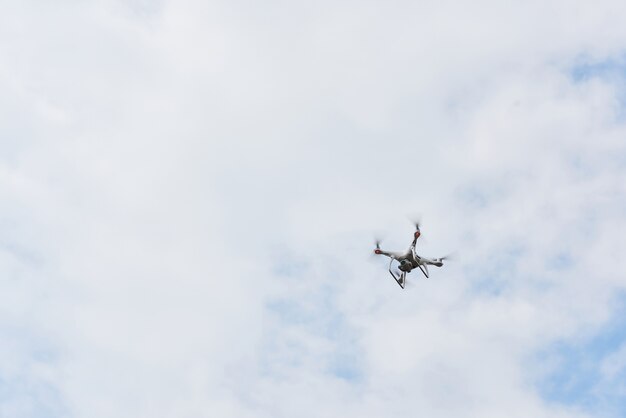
(408,260)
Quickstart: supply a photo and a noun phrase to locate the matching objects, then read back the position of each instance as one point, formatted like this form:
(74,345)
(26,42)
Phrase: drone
(408,260)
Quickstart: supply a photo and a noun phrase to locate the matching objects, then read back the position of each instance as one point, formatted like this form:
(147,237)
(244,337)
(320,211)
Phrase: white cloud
(189,191)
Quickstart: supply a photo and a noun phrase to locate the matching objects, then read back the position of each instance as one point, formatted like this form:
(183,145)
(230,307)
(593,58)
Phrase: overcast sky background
(190,191)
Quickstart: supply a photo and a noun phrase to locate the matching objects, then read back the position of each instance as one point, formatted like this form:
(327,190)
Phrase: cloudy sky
(190,192)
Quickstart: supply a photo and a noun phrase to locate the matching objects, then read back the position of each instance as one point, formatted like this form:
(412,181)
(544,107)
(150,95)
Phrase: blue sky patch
(317,318)
(577,378)
(609,67)
(612,70)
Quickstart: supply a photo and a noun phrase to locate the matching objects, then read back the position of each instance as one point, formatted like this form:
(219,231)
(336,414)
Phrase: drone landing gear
(424,269)
(400,279)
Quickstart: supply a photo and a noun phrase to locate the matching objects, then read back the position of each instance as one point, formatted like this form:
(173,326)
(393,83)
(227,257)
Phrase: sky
(191,191)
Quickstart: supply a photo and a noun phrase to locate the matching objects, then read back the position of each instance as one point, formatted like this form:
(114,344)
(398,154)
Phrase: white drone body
(408,260)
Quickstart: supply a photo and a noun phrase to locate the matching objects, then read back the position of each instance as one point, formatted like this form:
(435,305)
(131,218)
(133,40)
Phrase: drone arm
(378,251)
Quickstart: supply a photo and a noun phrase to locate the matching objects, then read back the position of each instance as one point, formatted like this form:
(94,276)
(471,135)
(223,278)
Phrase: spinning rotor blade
(417,232)
(451,256)
(377,249)
(416,219)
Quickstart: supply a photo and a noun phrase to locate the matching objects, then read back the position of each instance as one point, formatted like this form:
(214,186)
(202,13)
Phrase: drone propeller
(377,249)
(451,256)
(439,261)
(415,219)
(417,230)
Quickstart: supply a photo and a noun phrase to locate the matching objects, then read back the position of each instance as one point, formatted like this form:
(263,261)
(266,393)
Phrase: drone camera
(417,234)
(405,266)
